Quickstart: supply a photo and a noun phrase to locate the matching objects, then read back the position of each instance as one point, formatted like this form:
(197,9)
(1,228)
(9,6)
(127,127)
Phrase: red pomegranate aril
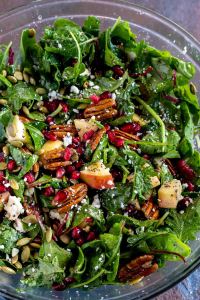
(60,172)
(58,286)
(67,154)
(69,280)
(111,136)
(11,165)
(50,120)
(50,136)
(1,176)
(2,188)
(131,128)
(11,56)
(52,105)
(91,236)
(60,196)
(118,70)
(76,233)
(119,143)
(80,150)
(79,164)
(2,158)
(75,175)
(87,135)
(80,242)
(95,99)
(183,204)
(48,191)
(65,107)
(76,141)
(29,177)
(88,220)
(107,127)
(185,170)
(70,169)
(190,187)
(117,175)
(105,95)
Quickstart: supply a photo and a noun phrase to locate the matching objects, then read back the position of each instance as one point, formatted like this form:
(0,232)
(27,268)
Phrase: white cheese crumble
(52,95)
(55,215)
(13,208)
(86,73)
(67,140)
(90,83)
(96,203)
(2,247)
(113,96)
(96,87)
(74,89)
(18,225)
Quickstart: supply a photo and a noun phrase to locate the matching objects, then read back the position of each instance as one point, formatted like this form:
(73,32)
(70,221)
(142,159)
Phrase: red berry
(60,196)
(119,143)
(80,150)
(88,220)
(58,286)
(50,120)
(29,177)
(117,174)
(2,158)
(70,169)
(67,154)
(69,280)
(131,128)
(48,191)
(79,164)
(87,135)
(2,188)
(107,127)
(76,233)
(76,141)
(190,187)
(60,172)
(65,107)
(50,136)
(105,95)
(91,236)
(111,136)
(118,70)
(11,165)
(80,242)
(52,105)
(185,170)
(11,56)
(1,176)
(75,175)
(95,99)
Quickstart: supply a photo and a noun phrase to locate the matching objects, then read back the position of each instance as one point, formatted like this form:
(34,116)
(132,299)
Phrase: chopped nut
(102,110)
(150,210)
(61,131)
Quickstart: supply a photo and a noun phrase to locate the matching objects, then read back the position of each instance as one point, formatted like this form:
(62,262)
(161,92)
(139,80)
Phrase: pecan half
(53,159)
(102,110)
(74,194)
(61,130)
(126,136)
(150,210)
(96,138)
(137,268)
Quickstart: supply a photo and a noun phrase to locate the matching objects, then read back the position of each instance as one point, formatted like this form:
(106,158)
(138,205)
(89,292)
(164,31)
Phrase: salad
(99,172)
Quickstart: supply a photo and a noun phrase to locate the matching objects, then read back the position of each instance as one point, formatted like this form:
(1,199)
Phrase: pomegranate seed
(65,107)
(50,136)
(60,196)
(2,188)
(190,187)
(29,177)
(76,233)
(185,170)
(131,128)
(119,143)
(11,56)
(58,286)
(76,141)
(52,105)
(95,99)
(80,150)
(111,136)
(118,70)
(60,172)
(79,164)
(2,158)
(107,127)
(87,135)
(67,154)
(69,280)
(1,176)
(75,175)
(11,165)
(80,242)
(89,220)
(50,120)
(91,236)
(184,203)
(70,169)
(48,191)
(105,95)
(117,174)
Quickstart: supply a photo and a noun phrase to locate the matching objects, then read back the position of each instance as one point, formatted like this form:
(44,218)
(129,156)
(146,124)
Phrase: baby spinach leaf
(2,132)
(184,93)
(8,237)
(89,210)
(36,135)
(91,26)
(4,53)
(5,116)
(117,218)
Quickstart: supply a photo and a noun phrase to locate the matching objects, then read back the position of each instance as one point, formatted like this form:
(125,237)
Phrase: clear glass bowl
(161,33)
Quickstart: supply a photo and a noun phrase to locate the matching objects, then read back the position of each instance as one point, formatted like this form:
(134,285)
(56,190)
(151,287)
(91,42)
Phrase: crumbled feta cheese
(92,76)
(113,96)
(2,247)
(74,89)
(96,87)
(7,184)
(91,83)
(52,95)
(67,140)
(96,203)
(86,73)
(18,225)
(76,110)
(13,208)
(55,215)
(15,251)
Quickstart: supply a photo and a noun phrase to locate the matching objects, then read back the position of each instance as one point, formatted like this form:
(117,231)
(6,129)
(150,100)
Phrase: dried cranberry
(185,170)
(183,204)
(2,188)
(50,120)
(69,280)
(11,165)
(91,236)
(2,158)
(117,175)
(75,175)
(70,169)
(95,99)
(131,128)
(50,136)
(65,107)
(29,177)
(105,95)
(133,212)
(76,233)
(80,242)
(60,196)
(58,286)
(48,191)
(67,154)
(60,172)
(118,70)
(87,135)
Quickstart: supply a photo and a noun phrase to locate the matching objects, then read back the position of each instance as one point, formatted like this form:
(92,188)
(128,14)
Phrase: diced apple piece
(169,194)
(84,126)
(51,145)
(155,181)
(97,176)
(139,120)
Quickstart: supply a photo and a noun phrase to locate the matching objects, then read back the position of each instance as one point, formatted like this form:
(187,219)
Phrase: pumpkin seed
(41,91)
(4,93)
(30,219)
(3,101)
(14,259)
(32,81)
(4,73)
(26,77)
(49,234)
(12,79)
(18,75)
(7,270)
(14,184)
(25,254)
(5,150)
(62,91)
(3,166)
(17,144)
(43,109)
(23,242)
(65,238)
(35,245)
(193,88)
(18,265)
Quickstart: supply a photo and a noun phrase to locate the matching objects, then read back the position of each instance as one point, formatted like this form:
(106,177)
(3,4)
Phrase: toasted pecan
(137,268)
(103,110)
(150,210)
(74,195)
(61,131)
(96,138)
(125,136)
(53,159)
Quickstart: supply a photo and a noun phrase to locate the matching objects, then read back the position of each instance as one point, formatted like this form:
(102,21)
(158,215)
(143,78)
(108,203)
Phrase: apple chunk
(169,194)
(84,126)
(97,176)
